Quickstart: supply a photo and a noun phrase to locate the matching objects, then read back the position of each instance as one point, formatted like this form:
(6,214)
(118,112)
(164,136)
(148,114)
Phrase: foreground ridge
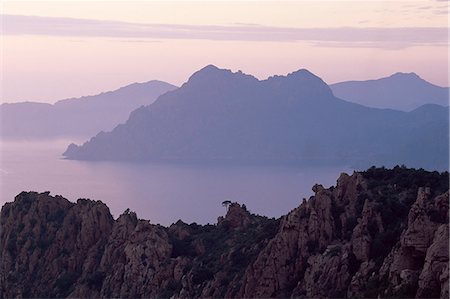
(376,233)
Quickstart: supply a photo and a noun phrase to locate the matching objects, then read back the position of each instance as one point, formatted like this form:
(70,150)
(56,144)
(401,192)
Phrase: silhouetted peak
(401,75)
(209,70)
(151,82)
(302,73)
(307,76)
(429,108)
(303,81)
(212,73)
(145,85)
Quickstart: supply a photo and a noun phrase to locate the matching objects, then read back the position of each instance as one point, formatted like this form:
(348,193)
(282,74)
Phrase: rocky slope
(376,233)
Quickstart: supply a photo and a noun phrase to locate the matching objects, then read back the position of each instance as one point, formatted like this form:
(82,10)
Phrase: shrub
(95,279)
(65,283)
(200,275)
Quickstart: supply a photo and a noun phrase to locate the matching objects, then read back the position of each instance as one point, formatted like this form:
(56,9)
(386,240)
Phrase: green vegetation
(171,289)
(57,216)
(65,284)
(95,280)
(223,252)
(394,191)
(401,178)
(219,248)
(11,245)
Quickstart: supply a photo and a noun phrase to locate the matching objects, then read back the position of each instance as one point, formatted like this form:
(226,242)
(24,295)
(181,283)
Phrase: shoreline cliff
(377,233)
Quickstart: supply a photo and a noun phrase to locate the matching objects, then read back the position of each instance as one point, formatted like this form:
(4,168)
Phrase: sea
(160,192)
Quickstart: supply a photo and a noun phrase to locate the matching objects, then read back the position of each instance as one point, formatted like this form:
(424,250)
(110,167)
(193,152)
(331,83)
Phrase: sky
(51,50)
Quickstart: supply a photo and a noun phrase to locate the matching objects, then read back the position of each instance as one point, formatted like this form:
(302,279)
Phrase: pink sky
(56,50)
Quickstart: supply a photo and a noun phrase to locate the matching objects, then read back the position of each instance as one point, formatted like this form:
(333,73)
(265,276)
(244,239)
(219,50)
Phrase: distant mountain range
(218,115)
(81,117)
(401,91)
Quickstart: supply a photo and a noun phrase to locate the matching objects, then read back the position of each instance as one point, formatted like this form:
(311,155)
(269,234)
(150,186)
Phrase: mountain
(83,116)
(377,234)
(401,91)
(218,115)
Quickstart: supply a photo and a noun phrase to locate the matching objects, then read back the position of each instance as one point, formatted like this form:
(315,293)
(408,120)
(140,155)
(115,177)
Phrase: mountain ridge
(400,91)
(376,233)
(130,86)
(77,117)
(291,118)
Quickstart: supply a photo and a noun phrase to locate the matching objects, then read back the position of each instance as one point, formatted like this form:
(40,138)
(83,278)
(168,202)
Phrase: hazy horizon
(46,101)
(105,49)
(289,148)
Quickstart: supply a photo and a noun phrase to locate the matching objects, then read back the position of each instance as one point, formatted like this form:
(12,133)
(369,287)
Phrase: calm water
(162,193)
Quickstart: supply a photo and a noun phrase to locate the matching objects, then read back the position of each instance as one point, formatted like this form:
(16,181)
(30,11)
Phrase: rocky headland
(377,233)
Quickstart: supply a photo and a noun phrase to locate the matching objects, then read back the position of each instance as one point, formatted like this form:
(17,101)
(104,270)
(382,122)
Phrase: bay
(160,192)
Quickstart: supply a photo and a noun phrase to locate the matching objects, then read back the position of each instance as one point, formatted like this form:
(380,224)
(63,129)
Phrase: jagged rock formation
(378,233)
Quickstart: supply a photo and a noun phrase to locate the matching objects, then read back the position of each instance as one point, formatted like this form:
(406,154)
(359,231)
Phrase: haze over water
(162,193)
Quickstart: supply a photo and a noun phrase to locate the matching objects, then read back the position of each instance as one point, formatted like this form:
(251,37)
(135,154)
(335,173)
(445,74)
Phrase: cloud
(386,46)
(386,37)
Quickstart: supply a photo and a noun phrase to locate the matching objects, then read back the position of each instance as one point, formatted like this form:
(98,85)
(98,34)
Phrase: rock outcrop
(378,233)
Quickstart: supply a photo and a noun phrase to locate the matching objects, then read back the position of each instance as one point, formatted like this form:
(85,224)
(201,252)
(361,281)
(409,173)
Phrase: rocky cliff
(377,233)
